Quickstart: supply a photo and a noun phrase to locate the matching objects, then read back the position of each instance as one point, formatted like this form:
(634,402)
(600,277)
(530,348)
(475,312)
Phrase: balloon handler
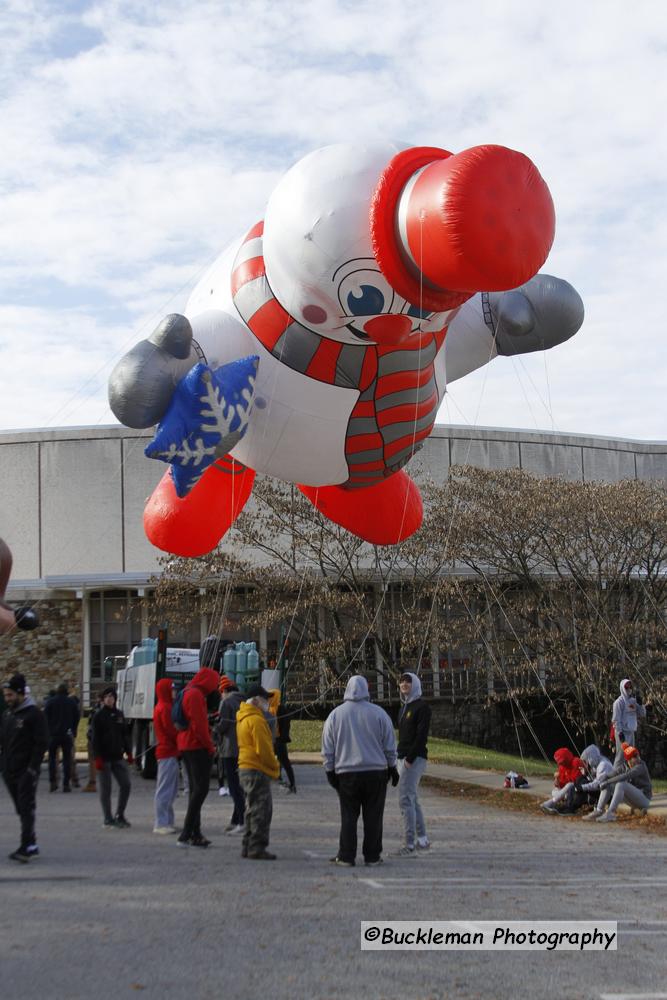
(318,347)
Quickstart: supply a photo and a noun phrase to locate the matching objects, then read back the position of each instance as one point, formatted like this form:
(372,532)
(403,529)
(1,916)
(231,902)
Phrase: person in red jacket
(196,746)
(166,753)
(567,781)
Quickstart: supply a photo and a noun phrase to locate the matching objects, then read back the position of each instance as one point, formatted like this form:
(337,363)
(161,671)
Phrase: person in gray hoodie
(359,753)
(626,713)
(599,768)
(231,701)
(631,783)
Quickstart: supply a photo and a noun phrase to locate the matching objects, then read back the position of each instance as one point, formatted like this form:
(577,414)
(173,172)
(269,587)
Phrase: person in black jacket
(62,717)
(24,738)
(414,721)
(111,741)
(284,721)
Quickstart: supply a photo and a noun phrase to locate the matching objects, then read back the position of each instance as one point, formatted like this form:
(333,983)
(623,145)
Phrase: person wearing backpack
(195,744)
(166,754)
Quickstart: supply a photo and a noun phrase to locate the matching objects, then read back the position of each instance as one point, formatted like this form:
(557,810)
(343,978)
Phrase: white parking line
(419,881)
(633,996)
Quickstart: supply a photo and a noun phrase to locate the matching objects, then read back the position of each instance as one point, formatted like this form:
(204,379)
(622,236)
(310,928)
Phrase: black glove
(26,619)
(332,778)
(393,776)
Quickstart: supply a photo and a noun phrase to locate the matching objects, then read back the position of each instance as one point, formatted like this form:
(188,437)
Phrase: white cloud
(139,139)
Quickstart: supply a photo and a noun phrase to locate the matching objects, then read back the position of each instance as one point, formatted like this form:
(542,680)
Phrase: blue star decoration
(208,415)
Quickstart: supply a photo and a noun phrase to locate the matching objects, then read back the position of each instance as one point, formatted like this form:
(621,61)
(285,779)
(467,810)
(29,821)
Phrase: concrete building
(71,504)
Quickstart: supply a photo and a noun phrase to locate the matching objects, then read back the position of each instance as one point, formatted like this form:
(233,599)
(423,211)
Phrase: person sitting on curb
(567,800)
(258,766)
(599,767)
(631,784)
(570,770)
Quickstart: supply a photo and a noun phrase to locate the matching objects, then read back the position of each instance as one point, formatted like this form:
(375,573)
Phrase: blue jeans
(166,791)
(231,765)
(411,810)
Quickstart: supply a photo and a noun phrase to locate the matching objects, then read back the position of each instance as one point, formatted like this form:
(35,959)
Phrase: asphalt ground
(111,913)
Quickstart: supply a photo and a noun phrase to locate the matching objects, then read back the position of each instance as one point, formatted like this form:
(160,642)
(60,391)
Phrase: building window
(115,626)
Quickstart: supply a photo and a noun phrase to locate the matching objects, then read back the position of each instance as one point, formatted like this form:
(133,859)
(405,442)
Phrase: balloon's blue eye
(370,302)
(418,313)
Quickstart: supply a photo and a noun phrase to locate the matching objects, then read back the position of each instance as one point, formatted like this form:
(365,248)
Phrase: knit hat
(226,684)
(257,691)
(16,683)
(629,751)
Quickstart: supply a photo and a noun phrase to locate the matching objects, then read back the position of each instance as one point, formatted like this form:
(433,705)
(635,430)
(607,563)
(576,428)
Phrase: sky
(139,139)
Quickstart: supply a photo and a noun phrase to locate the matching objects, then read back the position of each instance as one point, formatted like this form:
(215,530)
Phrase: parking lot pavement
(109,913)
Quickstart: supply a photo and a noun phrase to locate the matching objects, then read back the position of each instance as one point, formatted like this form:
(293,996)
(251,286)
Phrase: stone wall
(51,654)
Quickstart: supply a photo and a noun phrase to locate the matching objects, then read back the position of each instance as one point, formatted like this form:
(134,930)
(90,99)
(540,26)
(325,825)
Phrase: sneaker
(223,791)
(53,787)
(234,828)
(164,830)
(200,842)
(262,856)
(244,852)
(373,864)
(341,863)
(548,807)
(593,815)
(32,850)
(423,843)
(109,824)
(90,787)
(20,854)
(122,823)
(406,852)
(66,788)
(608,817)
(183,842)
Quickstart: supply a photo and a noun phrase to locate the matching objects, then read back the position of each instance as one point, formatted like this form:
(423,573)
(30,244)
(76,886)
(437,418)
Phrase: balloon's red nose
(388,329)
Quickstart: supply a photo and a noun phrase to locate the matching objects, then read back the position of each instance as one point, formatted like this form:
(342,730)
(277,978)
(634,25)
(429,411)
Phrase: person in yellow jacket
(258,765)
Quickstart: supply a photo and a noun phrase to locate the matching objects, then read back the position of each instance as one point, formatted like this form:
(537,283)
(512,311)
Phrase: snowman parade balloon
(318,347)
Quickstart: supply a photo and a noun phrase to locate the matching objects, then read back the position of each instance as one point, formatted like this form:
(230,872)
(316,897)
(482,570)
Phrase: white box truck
(145,666)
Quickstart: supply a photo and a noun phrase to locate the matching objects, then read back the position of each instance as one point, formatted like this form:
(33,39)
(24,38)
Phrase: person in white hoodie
(359,754)
(599,768)
(626,713)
